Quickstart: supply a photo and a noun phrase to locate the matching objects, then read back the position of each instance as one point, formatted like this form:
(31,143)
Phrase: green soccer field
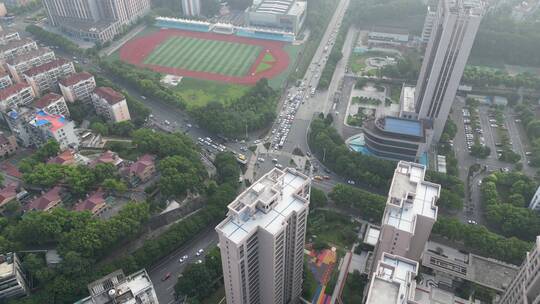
(201,55)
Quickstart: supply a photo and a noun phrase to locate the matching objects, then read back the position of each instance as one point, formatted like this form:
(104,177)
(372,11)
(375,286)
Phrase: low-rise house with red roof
(141,171)
(78,86)
(47,201)
(107,157)
(53,103)
(8,193)
(8,144)
(110,104)
(18,65)
(45,77)
(65,158)
(19,94)
(95,203)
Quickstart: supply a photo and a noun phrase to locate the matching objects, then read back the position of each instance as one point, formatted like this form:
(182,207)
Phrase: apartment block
(116,287)
(53,103)
(262,239)
(34,128)
(110,104)
(18,94)
(525,288)
(394,282)
(8,144)
(5,80)
(535,201)
(17,47)
(78,86)
(191,7)
(22,63)
(409,214)
(8,36)
(12,280)
(45,77)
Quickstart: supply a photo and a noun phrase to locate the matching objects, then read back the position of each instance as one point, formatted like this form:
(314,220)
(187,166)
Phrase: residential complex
(409,214)
(140,171)
(78,86)
(16,47)
(191,7)
(451,39)
(525,287)
(18,94)
(45,77)
(34,128)
(7,36)
(53,103)
(116,287)
(95,20)
(16,66)
(262,239)
(95,203)
(110,104)
(12,280)
(47,201)
(287,15)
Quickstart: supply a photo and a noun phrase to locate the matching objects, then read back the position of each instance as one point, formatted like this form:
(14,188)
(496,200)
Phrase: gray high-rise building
(262,240)
(525,288)
(451,29)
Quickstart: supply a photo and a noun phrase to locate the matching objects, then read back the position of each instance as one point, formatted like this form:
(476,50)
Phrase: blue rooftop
(403,126)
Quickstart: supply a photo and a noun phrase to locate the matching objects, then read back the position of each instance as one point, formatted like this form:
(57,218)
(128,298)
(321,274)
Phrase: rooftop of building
(15,44)
(63,158)
(390,282)
(142,163)
(109,94)
(30,55)
(389,30)
(484,271)
(75,78)
(9,191)
(42,202)
(53,121)
(7,268)
(53,64)
(12,90)
(467,7)
(47,100)
(403,126)
(265,204)
(116,287)
(410,196)
(407,99)
(95,199)
(279,7)
(434,295)
(4,139)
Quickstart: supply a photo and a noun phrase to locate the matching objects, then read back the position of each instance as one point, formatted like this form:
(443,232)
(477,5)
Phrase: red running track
(138,49)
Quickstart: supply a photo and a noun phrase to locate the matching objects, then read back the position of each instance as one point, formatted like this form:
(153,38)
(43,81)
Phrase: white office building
(262,240)
(191,7)
(409,214)
(451,37)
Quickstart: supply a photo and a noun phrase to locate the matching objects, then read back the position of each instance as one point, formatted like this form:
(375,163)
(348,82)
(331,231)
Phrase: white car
(183,259)
(351,182)
(472,222)
(200,251)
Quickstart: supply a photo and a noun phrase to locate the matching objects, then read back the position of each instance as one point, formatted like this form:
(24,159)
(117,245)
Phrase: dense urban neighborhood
(269,151)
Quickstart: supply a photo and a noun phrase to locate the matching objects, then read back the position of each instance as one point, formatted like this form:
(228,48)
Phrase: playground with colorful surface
(322,264)
(208,56)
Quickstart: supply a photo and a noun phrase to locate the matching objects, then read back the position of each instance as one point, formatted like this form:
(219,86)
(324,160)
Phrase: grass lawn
(332,228)
(309,285)
(269,58)
(201,55)
(199,92)
(263,66)
(357,62)
(279,81)
(215,297)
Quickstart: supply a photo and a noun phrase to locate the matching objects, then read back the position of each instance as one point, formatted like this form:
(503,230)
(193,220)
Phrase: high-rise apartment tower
(262,240)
